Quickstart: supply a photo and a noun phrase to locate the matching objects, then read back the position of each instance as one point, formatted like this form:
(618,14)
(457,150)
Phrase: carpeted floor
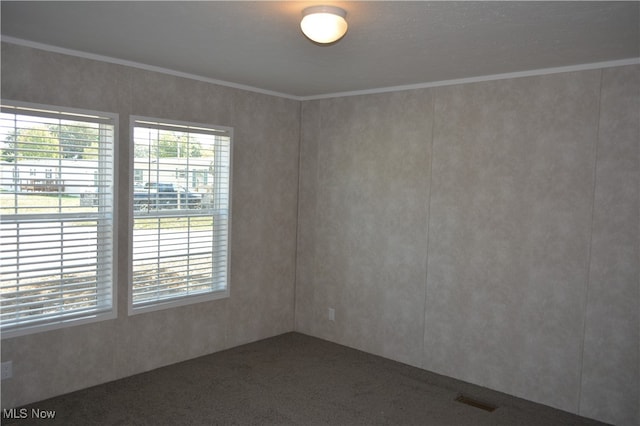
(291,379)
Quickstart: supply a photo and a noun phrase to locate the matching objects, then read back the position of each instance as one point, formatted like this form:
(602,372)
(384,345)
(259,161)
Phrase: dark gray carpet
(291,379)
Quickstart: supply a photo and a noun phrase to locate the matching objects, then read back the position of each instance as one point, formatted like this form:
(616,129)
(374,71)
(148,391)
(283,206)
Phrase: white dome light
(324,24)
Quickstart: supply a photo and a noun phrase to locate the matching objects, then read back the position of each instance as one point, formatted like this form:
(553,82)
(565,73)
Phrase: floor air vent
(475,403)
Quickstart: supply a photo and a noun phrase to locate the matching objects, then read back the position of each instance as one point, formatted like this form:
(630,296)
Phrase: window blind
(181,209)
(56,217)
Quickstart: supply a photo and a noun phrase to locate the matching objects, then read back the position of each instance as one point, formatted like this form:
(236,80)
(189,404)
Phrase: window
(56,249)
(180,244)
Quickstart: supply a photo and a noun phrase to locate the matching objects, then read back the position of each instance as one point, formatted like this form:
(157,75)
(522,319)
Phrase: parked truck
(155,196)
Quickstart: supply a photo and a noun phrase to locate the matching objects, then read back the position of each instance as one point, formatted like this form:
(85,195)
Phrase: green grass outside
(38,203)
(32,203)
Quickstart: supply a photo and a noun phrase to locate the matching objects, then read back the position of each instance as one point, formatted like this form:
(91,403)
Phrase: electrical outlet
(7,370)
(332,314)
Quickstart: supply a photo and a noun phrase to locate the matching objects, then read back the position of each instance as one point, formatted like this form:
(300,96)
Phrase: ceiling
(388,44)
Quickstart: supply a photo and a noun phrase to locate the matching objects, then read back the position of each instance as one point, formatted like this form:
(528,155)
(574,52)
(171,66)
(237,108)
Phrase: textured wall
(363,221)
(509,233)
(612,315)
(485,231)
(265,185)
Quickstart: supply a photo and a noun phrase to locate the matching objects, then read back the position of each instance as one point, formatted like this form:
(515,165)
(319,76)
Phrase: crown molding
(518,74)
(133,64)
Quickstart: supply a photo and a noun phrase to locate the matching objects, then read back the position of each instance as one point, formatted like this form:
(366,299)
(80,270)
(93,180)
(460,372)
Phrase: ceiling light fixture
(324,24)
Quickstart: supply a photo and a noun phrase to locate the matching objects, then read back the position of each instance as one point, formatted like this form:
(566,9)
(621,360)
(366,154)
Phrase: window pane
(181,209)
(56,220)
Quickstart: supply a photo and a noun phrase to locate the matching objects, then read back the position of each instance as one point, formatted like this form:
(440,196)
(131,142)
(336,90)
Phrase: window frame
(56,323)
(182,300)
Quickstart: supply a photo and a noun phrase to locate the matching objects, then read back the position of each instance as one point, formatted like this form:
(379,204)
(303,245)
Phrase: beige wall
(485,231)
(265,186)
(610,380)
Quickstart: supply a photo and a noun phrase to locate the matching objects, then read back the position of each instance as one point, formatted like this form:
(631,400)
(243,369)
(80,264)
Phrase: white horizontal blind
(56,217)
(181,195)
